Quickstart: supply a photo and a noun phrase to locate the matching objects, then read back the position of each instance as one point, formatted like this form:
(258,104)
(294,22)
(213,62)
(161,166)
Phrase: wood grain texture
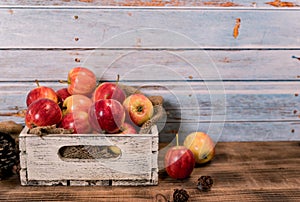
(186,54)
(228,131)
(250,171)
(142,3)
(145,28)
(195,101)
(268,107)
(159,65)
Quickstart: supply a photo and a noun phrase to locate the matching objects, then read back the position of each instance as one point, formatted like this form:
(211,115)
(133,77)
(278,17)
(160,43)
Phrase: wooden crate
(42,164)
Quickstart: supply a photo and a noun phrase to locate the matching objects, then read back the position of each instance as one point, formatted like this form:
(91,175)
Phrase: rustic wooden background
(238,82)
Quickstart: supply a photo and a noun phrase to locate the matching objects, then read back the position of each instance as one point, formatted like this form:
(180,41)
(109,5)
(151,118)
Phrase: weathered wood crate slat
(42,164)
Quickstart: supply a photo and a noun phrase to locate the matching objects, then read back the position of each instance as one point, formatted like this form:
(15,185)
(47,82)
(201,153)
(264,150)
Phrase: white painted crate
(41,163)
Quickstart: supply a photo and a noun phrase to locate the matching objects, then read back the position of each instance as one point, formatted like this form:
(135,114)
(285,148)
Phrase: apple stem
(37,83)
(118,79)
(177,142)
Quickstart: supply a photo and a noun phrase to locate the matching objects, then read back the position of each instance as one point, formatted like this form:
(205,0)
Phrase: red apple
(109,90)
(43,112)
(81,81)
(78,121)
(75,103)
(107,115)
(41,92)
(139,108)
(179,161)
(127,128)
(62,94)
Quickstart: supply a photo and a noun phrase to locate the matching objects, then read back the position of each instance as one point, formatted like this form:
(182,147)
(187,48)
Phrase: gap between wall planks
(257,68)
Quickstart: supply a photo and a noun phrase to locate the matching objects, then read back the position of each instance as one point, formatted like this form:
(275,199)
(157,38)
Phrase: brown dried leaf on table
(278,3)
(236,28)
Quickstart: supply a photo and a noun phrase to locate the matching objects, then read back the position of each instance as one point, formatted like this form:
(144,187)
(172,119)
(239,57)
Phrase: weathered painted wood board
(148,3)
(160,65)
(41,163)
(197,101)
(148,28)
(239,131)
(234,88)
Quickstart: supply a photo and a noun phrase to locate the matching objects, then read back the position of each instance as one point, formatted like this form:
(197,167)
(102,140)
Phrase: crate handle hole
(77,152)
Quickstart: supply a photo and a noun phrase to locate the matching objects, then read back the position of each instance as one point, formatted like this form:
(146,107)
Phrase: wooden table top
(242,171)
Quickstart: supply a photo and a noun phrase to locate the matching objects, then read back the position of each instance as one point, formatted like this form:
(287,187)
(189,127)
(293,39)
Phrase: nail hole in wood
(296,94)
(293,130)
(76,17)
(295,111)
(77,60)
(76,39)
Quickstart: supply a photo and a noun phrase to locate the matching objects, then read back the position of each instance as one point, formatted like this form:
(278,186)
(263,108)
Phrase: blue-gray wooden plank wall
(226,68)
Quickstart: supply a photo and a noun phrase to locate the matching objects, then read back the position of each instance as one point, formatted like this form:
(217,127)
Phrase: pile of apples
(87,107)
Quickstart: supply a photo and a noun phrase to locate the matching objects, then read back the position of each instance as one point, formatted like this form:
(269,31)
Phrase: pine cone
(9,156)
(205,183)
(180,195)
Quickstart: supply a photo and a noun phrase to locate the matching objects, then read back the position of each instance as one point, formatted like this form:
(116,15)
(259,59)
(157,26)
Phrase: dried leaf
(236,28)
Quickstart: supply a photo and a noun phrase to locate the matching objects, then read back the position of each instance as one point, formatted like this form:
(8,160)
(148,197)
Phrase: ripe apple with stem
(43,112)
(108,90)
(139,108)
(179,161)
(41,92)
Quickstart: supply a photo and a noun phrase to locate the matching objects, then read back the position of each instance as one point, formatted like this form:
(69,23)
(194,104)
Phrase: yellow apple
(139,108)
(201,145)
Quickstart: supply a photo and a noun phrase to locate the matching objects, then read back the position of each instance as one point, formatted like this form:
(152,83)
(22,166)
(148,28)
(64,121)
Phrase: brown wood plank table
(242,171)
